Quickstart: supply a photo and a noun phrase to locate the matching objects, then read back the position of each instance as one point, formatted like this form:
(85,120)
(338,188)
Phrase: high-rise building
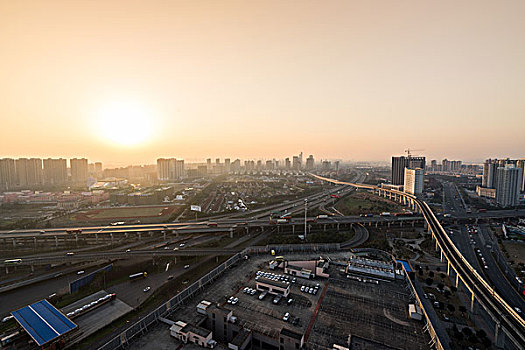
(227,165)
(79,170)
(287,164)
(170,169)
(400,163)
(55,171)
(29,172)
(326,165)
(236,166)
(98,169)
(520,163)
(508,183)
(414,180)
(489,173)
(269,165)
(433,165)
(7,174)
(310,162)
(296,163)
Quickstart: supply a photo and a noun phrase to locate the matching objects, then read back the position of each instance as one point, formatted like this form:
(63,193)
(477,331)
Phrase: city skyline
(342,80)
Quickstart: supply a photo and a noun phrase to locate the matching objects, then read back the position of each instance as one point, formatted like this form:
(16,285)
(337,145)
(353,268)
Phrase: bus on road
(137,276)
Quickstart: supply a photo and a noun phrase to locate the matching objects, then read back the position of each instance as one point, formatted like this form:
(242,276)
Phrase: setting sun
(125,123)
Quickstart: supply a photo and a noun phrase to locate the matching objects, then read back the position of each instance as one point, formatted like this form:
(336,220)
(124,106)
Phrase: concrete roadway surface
(14,299)
(497,278)
(493,275)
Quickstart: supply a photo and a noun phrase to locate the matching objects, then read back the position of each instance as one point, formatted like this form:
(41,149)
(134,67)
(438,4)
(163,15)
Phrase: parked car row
(275,277)
(90,305)
(249,290)
(233,300)
(311,290)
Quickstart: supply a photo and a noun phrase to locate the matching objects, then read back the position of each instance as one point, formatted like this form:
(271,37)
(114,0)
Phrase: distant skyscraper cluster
(503,180)
(453,167)
(33,172)
(171,169)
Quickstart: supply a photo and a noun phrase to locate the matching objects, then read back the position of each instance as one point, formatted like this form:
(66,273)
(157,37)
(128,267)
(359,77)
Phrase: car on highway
(147,289)
(170,277)
(176,248)
(81,272)
(70,253)
(182,245)
(186,266)
(518,310)
(42,232)
(286,317)
(128,250)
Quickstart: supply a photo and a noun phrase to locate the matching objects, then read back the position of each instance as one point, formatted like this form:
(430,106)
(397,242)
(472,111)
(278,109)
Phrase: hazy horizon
(129,82)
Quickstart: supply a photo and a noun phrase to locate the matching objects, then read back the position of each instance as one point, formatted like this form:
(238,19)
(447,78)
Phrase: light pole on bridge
(305,213)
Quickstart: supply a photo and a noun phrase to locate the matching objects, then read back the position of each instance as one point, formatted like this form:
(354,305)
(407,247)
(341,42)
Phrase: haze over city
(127,82)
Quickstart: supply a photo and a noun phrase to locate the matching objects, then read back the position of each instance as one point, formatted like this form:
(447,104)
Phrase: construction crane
(409,151)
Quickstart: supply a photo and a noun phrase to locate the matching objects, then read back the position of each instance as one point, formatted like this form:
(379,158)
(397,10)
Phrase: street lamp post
(305,212)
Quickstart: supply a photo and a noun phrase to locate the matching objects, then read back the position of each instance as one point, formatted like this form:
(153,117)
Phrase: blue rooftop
(406,265)
(43,322)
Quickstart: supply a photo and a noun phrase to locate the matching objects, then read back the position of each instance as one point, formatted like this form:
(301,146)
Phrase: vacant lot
(125,213)
(516,251)
(363,202)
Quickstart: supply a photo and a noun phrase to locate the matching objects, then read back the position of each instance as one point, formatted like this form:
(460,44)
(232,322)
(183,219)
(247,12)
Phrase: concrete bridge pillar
(499,337)
(34,240)
(111,235)
(96,238)
(337,227)
(140,236)
(231,232)
(175,260)
(7,270)
(32,268)
(293,229)
(76,238)
(14,243)
(164,234)
(56,242)
(324,227)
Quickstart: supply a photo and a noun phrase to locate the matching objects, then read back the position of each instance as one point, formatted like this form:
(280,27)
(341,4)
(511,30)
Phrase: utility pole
(305,212)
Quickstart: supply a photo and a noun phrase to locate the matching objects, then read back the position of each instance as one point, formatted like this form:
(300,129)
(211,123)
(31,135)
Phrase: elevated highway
(507,321)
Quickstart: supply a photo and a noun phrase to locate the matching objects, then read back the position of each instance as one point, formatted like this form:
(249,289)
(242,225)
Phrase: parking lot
(336,308)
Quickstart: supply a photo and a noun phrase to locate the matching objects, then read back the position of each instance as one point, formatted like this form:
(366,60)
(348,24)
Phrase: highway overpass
(507,321)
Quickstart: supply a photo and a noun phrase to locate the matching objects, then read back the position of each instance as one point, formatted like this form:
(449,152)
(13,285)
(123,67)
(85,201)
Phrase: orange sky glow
(130,81)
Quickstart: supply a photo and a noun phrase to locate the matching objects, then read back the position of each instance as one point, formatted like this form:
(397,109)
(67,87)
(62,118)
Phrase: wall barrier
(87,279)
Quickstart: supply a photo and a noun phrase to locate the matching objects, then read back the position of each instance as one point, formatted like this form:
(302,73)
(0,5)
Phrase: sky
(130,81)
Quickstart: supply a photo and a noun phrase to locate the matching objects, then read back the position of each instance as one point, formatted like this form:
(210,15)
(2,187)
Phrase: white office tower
(508,185)
(414,179)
